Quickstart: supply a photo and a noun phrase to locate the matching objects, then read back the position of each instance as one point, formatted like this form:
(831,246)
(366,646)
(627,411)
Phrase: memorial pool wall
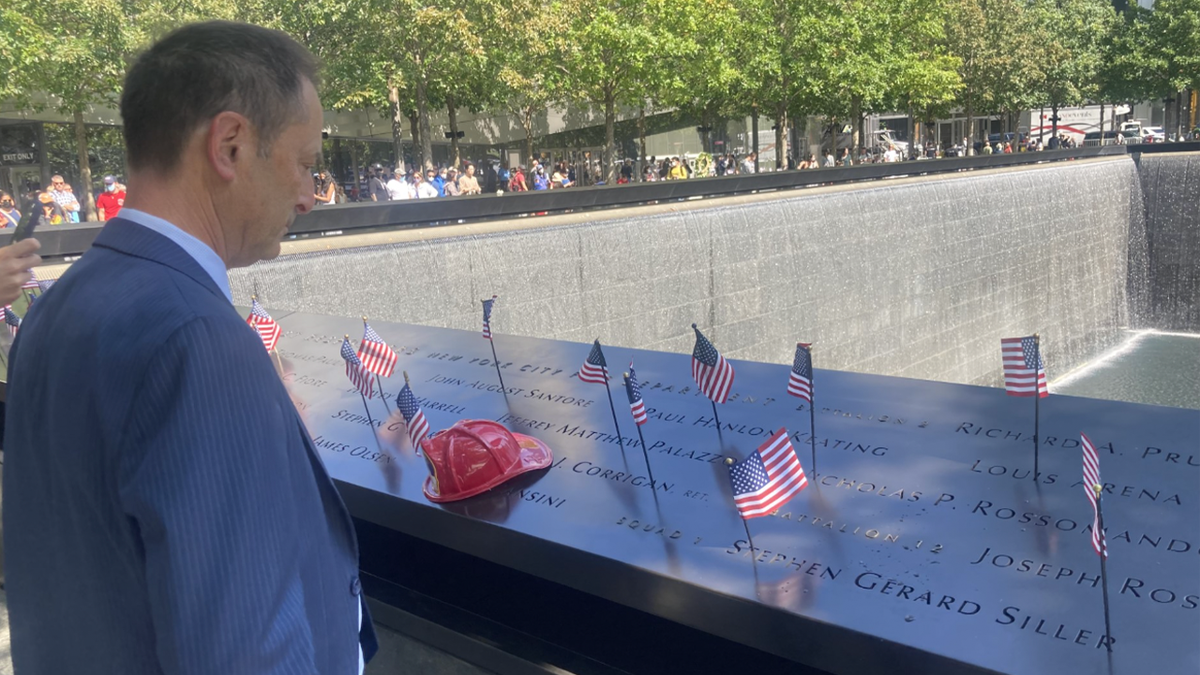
(916,277)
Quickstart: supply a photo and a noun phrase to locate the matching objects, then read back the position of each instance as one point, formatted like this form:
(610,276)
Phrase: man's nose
(307,201)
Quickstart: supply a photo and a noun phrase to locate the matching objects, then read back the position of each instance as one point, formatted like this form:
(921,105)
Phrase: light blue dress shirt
(207,258)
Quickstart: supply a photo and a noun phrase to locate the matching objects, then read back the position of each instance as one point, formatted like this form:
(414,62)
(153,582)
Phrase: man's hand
(15,262)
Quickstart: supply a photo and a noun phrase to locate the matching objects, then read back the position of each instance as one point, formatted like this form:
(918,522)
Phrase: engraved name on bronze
(1112,489)
(358,451)
(814,568)
(1132,587)
(988,509)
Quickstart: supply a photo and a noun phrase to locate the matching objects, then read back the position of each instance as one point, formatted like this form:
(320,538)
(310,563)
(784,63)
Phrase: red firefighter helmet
(474,456)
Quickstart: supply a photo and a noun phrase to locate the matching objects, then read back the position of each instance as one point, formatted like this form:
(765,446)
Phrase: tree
(1134,66)
(1071,34)
(998,64)
(700,86)
(777,43)
(610,55)
(1177,28)
(76,54)
(525,60)
(881,50)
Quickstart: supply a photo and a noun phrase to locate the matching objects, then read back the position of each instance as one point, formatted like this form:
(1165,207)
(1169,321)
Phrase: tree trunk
(754,136)
(1179,115)
(425,155)
(641,126)
(414,129)
(455,157)
(610,121)
(781,120)
(856,129)
(970,130)
(84,195)
(397,126)
(527,124)
(357,191)
(1054,122)
(1101,124)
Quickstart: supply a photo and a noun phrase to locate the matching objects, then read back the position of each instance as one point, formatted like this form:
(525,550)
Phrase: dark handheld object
(25,227)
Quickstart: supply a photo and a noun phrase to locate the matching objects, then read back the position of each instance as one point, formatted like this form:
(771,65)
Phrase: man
(65,198)
(109,203)
(748,163)
(468,184)
(378,187)
(397,187)
(165,510)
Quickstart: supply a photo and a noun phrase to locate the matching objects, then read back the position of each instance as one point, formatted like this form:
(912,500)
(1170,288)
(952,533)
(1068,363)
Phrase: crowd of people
(59,205)
(448,181)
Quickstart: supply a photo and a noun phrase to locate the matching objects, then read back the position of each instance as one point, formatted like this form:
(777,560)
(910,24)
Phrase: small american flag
(32,282)
(11,318)
(768,478)
(45,284)
(634,391)
(1091,478)
(376,356)
(800,379)
(1024,372)
(414,419)
(355,370)
(259,320)
(487,317)
(594,368)
(710,370)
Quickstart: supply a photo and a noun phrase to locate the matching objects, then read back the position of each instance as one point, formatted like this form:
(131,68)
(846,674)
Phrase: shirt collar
(207,258)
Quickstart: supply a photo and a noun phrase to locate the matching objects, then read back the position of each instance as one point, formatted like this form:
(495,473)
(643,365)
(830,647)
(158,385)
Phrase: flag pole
(380,383)
(729,462)
(1103,568)
(645,452)
(612,406)
(720,436)
(812,414)
(496,361)
(1037,397)
(487,324)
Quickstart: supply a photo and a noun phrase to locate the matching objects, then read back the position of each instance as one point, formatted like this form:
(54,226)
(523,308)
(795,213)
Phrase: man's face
(275,189)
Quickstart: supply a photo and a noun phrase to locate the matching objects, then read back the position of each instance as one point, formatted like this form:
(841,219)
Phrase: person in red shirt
(109,204)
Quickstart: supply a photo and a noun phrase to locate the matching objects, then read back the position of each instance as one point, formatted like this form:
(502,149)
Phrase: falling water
(916,277)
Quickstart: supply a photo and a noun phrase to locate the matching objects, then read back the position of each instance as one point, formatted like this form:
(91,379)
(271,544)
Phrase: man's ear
(228,141)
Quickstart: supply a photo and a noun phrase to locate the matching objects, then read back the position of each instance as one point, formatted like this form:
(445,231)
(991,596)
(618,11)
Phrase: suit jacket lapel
(126,236)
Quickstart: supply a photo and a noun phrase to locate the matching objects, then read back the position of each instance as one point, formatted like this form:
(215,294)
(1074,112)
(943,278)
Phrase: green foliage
(1070,34)
(1176,24)
(705,59)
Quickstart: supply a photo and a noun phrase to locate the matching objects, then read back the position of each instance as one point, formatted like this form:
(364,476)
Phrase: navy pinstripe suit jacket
(165,510)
